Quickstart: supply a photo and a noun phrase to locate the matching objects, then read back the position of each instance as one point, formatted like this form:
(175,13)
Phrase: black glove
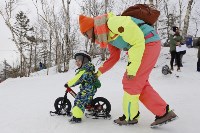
(66,86)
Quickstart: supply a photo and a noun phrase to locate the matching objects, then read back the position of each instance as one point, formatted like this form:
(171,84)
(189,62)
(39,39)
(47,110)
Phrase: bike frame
(69,90)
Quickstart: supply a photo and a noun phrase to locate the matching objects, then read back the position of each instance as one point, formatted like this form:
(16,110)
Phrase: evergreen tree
(21,29)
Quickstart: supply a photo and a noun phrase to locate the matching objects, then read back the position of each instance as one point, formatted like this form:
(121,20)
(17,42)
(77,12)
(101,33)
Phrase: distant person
(198,56)
(40,66)
(189,41)
(175,40)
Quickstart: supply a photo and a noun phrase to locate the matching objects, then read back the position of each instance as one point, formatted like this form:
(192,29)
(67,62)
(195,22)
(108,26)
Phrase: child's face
(78,62)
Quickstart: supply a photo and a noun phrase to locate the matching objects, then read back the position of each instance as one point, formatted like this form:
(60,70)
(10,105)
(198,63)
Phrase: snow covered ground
(25,102)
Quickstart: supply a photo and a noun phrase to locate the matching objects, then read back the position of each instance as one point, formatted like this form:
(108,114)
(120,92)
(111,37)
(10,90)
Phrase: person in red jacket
(122,32)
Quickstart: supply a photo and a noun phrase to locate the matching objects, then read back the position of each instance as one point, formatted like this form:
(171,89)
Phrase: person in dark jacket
(175,40)
(198,56)
(40,66)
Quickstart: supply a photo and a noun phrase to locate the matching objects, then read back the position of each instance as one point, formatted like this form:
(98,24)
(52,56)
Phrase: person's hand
(98,73)
(66,85)
(129,77)
(178,43)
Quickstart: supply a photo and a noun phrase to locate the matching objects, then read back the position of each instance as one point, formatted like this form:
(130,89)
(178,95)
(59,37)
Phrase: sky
(8,49)
(25,102)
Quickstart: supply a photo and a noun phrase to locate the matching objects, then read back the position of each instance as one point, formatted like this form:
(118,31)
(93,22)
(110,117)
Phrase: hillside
(25,102)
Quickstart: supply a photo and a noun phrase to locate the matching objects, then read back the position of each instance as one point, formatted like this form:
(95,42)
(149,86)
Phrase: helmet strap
(82,61)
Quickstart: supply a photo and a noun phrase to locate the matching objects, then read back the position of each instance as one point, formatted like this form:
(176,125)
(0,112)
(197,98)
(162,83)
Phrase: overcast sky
(7,47)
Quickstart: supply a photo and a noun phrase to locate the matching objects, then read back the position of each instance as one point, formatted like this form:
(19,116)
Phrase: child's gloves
(66,86)
(178,44)
(98,73)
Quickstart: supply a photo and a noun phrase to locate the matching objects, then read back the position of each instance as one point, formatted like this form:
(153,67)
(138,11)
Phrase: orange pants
(140,84)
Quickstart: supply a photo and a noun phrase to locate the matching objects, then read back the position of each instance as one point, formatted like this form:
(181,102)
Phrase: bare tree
(167,22)
(167,19)
(7,14)
(68,47)
(6,72)
(158,2)
(124,4)
(103,55)
(180,13)
(187,17)
(151,2)
(94,8)
(197,21)
(44,18)
(22,29)
(58,24)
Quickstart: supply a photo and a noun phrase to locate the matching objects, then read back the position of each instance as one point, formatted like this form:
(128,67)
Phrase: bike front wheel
(62,105)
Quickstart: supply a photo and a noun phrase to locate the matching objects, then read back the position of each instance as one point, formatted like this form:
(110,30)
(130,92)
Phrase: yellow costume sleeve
(75,80)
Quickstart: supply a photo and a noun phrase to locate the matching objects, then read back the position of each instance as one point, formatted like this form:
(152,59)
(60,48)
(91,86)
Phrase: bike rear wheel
(101,104)
(165,70)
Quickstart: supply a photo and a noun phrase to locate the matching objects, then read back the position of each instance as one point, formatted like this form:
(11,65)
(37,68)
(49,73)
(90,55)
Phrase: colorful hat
(86,23)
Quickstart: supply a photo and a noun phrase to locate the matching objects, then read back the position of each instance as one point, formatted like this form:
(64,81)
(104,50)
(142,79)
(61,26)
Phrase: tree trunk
(103,51)
(58,44)
(196,27)
(68,47)
(156,24)
(187,18)
(180,13)
(5,69)
(21,63)
(49,57)
(168,18)
(35,58)
(151,2)
(30,60)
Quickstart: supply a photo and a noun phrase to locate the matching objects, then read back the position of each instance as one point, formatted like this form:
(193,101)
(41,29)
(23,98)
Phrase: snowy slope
(25,102)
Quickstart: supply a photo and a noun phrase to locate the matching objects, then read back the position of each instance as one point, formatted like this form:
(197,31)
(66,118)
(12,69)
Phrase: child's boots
(75,120)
